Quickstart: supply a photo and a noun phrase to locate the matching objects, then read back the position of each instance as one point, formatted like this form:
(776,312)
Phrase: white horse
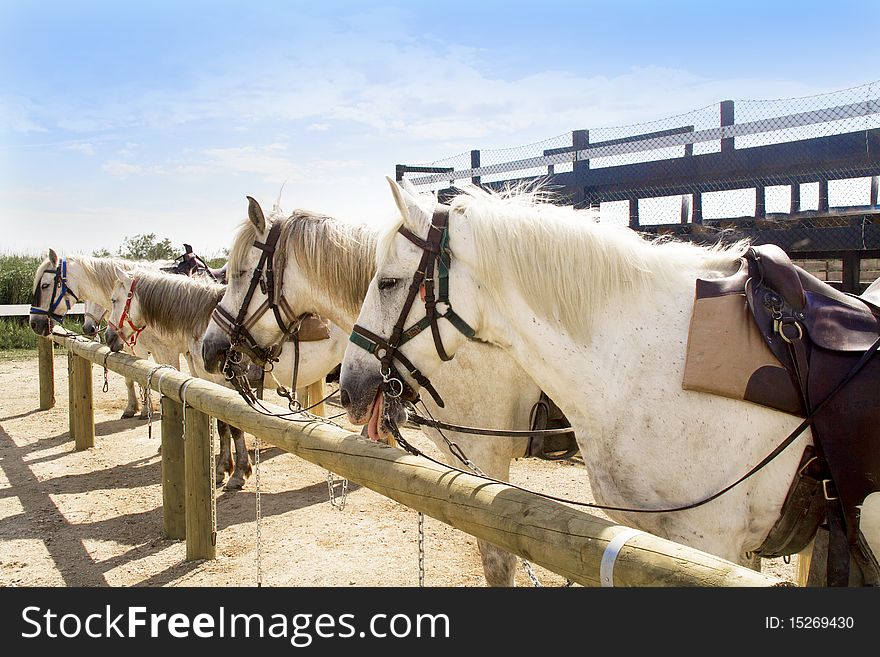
(59,282)
(174,311)
(326,266)
(599,316)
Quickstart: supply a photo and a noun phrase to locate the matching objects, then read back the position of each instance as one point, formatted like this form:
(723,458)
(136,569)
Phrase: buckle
(825,483)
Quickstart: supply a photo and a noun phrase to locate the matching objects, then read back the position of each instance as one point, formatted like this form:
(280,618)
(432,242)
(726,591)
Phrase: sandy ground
(94,518)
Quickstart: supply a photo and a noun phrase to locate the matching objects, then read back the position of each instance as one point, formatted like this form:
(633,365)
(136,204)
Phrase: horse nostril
(344,399)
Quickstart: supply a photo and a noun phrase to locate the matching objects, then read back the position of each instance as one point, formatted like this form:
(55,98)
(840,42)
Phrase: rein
(60,289)
(125,317)
(435,253)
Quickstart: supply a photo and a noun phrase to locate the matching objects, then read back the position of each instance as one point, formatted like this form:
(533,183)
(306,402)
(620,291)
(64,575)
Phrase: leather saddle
(796,339)
(190,264)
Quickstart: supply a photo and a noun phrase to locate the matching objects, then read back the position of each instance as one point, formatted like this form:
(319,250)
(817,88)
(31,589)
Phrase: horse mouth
(382,413)
(376,429)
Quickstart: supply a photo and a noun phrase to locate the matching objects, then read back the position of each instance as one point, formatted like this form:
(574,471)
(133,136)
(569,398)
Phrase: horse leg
(133,404)
(224,458)
(242,461)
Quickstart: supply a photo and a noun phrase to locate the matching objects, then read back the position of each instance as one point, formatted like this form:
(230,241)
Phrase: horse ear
(414,215)
(255,214)
(53,257)
(122,276)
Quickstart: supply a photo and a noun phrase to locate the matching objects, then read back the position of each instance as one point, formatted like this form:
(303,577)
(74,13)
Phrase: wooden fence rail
(586,549)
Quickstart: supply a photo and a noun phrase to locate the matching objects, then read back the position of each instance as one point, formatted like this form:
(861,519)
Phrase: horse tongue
(375,415)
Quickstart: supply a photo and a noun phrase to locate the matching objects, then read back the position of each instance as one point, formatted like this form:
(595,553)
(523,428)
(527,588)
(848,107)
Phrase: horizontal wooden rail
(24,309)
(564,540)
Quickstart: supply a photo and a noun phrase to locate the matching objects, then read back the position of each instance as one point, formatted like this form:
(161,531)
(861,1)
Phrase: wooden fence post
(173,474)
(46,352)
(80,404)
(727,118)
(199,500)
(315,393)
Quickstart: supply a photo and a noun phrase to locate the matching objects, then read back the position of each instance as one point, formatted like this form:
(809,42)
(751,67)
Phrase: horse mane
(336,257)
(101,271)
(566,263)
(175,304)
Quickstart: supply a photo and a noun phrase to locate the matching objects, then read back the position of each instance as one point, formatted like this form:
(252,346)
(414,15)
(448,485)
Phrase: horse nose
(344,398)
(212,352)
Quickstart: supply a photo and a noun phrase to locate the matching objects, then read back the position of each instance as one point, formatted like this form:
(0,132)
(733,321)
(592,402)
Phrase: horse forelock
(567,265)
(175,304)
(41,269)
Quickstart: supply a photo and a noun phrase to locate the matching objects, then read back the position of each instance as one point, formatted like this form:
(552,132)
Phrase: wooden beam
(553,535)
(200,509)
(81,411)
(580,139)
(173,470)
(475,163)
(46,359)
(727,118)
(851,272)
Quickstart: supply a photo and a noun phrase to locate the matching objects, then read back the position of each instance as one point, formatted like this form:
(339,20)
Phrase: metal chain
(148,399)
(331,486)
(212,466)
(259,510)
(421,549)
(456,449)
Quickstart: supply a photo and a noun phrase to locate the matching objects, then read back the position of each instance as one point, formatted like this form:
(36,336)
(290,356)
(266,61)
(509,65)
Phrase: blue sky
(120,118)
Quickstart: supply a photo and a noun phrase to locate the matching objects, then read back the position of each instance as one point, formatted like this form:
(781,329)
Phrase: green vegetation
(17,278)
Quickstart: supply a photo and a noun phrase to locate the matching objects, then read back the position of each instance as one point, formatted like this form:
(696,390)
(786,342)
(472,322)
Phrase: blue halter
(60,289)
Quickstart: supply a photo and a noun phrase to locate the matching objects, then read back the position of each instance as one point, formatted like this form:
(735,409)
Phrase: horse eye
(385,283)
(44,286)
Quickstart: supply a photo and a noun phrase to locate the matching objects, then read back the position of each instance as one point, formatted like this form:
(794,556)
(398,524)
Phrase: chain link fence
(800,172)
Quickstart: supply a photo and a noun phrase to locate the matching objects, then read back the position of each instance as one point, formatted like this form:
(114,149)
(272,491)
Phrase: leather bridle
(60,291)
(435,255)
(125,317)
(238,327)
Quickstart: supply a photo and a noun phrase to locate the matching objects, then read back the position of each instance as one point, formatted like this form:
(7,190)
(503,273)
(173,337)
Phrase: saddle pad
(727,356)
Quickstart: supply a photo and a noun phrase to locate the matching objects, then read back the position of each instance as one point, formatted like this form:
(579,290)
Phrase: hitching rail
(564,540)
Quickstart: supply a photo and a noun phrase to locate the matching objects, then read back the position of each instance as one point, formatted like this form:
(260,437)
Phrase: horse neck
(87,286)
(181,323)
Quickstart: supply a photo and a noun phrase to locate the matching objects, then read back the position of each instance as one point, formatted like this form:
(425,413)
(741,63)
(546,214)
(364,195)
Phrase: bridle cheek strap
(435,254)
(125,317)
(238,327)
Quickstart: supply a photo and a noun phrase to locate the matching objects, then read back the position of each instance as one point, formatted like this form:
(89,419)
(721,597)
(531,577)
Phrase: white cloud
(83,147)
(318,127)
(120,169)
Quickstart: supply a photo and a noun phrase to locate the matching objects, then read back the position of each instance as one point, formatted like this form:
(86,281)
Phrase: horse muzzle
(40,325)
(214,351)
(113,340)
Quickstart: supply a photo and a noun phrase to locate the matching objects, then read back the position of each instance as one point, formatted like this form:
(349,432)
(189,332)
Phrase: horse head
(255,315)
(51,297)
(410,319)
(125,323)
(92,317)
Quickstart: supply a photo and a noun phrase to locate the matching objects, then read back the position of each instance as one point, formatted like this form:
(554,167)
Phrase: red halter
(123,318)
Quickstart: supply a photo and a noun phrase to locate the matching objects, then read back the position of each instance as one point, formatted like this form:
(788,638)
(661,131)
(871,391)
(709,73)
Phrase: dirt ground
(94,518)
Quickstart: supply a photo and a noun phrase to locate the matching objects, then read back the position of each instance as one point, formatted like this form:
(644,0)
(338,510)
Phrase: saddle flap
(837,326)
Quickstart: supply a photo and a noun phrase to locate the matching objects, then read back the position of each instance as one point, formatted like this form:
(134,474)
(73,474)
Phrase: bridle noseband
(238,327)
(435,253)
(125,317)
(60,289)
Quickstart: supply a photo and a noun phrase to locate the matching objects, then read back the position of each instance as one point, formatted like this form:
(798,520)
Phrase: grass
(16,333)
